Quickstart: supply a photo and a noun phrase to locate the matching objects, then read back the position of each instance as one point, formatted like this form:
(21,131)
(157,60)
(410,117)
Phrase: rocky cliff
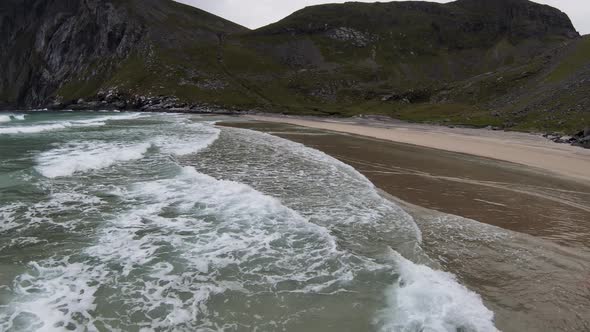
(47,45)
(506,63)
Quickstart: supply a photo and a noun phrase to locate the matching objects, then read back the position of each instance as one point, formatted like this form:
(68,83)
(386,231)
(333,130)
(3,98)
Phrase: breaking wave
(72,158)
(50,126)
(424,299)
(86,156)
(11,117)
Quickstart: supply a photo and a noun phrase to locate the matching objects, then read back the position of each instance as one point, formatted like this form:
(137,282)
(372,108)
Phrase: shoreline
(477,217)
(524,148)
(519,148)
(507,195)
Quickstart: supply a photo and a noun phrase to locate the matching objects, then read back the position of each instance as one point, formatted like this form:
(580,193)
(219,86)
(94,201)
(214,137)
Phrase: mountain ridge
(473,62)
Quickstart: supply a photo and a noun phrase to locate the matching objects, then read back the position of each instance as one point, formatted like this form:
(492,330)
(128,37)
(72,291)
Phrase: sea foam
(181,250)
(55,211)
(54,295)
(225,236)
(333,193)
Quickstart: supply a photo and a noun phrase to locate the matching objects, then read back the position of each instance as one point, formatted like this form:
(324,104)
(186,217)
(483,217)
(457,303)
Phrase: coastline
(529,149)
(519,148)
(516,235)
(518,198)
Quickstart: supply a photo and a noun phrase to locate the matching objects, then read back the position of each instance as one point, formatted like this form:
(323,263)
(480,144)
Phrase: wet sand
(517,235)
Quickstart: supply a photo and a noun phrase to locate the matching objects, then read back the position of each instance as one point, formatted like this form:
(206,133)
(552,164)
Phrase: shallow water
(167,222)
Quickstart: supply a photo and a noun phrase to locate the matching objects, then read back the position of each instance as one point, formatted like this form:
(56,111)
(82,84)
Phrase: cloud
(256,13)
(578,11)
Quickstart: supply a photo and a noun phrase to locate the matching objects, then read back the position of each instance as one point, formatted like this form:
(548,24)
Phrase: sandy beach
(521,148)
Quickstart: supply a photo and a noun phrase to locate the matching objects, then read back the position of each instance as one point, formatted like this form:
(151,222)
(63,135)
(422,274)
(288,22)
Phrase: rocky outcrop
(116,100)
(581,138)
(357,38)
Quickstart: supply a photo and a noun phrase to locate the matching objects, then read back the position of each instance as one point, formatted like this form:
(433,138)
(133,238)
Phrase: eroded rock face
(357,38)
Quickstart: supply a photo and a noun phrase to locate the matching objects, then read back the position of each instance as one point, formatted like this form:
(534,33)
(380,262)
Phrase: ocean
(165,222)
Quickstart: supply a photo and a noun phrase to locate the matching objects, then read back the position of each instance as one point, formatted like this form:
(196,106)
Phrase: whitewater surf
(167,222)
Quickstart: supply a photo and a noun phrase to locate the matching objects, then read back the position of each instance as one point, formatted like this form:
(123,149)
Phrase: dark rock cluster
(114,100)
(582,138)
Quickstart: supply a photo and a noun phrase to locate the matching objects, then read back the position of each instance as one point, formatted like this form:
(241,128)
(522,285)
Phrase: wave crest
(428,300)
(50,126)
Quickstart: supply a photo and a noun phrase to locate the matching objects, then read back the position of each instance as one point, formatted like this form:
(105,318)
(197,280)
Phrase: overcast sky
(257,13)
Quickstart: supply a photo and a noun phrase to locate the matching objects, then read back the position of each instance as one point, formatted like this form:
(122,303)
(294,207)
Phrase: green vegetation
(85,85)
(578,58)
(79,89)
(452,63)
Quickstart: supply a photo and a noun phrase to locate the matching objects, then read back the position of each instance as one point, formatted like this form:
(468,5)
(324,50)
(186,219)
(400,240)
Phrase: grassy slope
(578,58)
(409,54)
(178,55)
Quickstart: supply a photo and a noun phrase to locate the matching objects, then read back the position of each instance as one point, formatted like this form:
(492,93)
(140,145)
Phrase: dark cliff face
(459,24)
(520,18)
(45,43)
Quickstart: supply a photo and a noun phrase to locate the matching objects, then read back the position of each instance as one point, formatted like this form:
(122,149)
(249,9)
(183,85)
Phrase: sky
(256,13)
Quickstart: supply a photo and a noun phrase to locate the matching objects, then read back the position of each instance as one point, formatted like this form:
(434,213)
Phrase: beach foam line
(358,202)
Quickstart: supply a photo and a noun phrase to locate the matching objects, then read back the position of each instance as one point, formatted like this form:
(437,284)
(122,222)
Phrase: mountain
(53,48)
(508,63)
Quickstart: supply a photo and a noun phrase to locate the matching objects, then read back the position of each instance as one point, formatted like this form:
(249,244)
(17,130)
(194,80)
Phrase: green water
(163,222)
